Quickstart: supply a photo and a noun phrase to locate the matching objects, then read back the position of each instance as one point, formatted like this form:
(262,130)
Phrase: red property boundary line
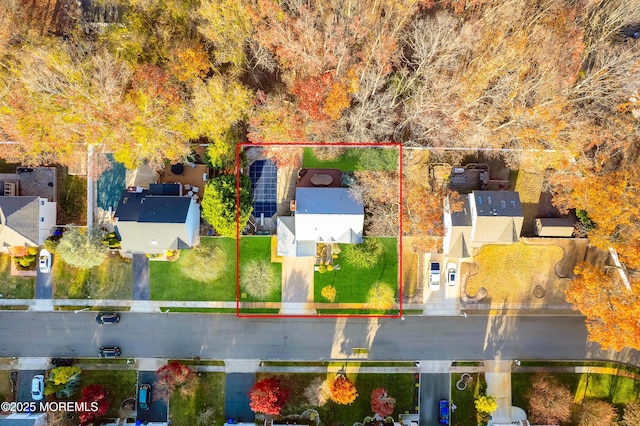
(240,147)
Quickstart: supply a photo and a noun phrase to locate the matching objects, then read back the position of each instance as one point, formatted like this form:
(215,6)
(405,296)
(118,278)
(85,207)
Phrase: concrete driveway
(297,285)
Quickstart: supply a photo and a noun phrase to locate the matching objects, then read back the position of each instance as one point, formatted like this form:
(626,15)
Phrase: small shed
(555,226)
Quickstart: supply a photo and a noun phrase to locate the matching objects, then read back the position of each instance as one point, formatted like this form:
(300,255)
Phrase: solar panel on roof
(264,178)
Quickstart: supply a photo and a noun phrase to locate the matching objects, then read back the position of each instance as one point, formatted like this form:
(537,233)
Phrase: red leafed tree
(343,391)
(174,377)
(268,396)
(381,403)
(90,395)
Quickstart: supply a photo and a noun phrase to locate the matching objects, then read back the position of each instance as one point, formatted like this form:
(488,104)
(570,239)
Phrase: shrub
(322,269)
(343,391)
(258,279)
(327,153)
(365,255)
(82,248)
(329,268)
(32,251)
(594,412)
(318,392)
(631,416)
(550,402)
(381,297)
(329,293)
(381,403)
(486,404)
(268,396)
(204,263)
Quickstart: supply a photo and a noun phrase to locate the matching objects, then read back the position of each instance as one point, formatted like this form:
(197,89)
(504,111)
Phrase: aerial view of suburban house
(26,212)
(486,217)
(157,219)
(320,214)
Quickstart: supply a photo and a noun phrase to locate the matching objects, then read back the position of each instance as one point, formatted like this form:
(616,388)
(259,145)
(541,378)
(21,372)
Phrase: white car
(37,387)
(44,262)
(452,272)
(434,276)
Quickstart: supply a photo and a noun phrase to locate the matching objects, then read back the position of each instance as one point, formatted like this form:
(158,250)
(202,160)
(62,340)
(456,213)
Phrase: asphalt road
(175,335)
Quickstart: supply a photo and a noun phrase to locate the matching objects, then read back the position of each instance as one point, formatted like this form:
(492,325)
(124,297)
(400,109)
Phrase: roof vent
(154,242)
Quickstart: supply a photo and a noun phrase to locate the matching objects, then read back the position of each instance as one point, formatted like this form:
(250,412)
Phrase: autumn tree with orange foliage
(343,391)
(611,310)
(610,199)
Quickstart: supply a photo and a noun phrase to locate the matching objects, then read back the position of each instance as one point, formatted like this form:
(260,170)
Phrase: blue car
(443,412)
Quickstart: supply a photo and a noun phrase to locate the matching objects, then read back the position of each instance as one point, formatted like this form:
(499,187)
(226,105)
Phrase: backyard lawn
(209,394)
(120,385)
(352,284)
(510,273)
(111,280)
(14,287)
(170,282)
(72,198)
(364,158)
(398,386)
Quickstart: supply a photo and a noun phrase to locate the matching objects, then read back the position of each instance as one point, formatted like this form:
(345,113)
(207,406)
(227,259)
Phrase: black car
(144,396)
(109,352)
(108,318)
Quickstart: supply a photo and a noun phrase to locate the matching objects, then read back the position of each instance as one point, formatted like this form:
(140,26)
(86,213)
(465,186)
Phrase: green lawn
(399,386)
(14,287)
(111,280)
(72,198)
(365,158)
(465,414)
(168,282)
(209,394)
(353,284)
(615,389)
(120,385)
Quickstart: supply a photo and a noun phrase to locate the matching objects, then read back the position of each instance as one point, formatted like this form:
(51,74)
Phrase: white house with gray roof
(486,217)
(322,215)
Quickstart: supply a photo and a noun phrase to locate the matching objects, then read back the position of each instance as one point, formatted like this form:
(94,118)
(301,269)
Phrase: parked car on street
(443,412)
(434,276)
(452,272)
(108,318)
(109,352)
(44,263)
(37,387)
(144,396)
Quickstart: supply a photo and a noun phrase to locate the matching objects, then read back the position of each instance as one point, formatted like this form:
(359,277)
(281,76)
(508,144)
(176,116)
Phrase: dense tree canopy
(609,306)
(219,204)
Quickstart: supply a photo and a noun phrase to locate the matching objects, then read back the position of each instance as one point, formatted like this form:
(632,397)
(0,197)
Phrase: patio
(308,178)
(192,176)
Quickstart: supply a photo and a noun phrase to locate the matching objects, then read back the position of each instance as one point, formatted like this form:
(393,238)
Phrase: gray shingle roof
(22,215)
